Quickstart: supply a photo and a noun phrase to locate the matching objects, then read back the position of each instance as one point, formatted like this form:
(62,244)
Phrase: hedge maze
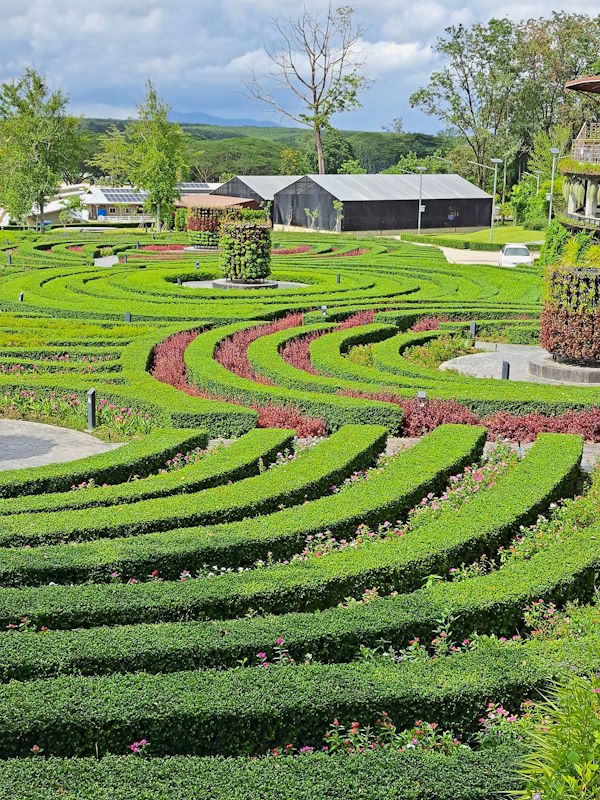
(204,607)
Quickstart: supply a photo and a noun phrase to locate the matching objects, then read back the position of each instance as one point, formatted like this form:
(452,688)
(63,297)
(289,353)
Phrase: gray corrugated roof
(267,185)
(348,188)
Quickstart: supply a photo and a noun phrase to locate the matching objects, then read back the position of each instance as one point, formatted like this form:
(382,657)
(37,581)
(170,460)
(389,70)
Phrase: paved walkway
(488,364)
(456,255)
(106,261)
(32,444)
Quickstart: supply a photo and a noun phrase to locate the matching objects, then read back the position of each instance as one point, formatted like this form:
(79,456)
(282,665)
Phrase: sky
(198,52)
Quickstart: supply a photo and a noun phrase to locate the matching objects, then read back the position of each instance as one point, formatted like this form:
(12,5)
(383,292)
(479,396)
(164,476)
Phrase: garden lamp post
(495,162)
(537,177)
(555,151)
(420,170)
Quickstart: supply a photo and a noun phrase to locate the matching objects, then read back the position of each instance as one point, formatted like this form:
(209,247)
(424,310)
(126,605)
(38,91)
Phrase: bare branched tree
(317,62)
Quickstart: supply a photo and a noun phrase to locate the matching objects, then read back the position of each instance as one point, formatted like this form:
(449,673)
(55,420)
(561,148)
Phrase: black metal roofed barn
(261,188)
(382,202)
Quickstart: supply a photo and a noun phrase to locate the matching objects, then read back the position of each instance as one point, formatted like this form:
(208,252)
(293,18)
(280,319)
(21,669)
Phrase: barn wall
(402,214)
(237,188)
(291,201)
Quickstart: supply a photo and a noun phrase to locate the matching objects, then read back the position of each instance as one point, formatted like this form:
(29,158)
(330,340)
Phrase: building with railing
(581,170)
(120,204)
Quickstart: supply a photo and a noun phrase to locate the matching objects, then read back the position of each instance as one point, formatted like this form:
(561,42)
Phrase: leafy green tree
(293,162)
(71,208)
(409,163)
(149,153)
(112,158)
(351,167)
(473,91)
(337,149)
(40,144)
(316,66)
(541,157)
(551,51)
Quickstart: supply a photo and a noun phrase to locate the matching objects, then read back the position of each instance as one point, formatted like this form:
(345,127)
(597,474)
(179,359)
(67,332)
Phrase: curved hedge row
(352,447)
(241,459)
(391,492)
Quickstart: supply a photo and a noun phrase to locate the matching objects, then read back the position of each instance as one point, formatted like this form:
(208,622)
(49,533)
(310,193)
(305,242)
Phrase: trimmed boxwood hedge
(140,457)
(246,711)
(352,447)
(461,775)
(391,492)
(386,495)
(242,459)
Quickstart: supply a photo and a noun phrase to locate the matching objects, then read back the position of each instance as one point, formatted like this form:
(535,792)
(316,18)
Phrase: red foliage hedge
(571,335)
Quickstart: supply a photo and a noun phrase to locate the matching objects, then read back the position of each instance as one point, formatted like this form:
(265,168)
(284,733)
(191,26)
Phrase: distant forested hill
(214,150)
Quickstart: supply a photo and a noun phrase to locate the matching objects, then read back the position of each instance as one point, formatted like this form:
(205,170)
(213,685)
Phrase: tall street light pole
(421,170)
(495,162)
(555,151)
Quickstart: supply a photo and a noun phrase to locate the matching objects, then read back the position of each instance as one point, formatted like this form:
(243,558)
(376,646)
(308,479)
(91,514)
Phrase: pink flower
(280,640)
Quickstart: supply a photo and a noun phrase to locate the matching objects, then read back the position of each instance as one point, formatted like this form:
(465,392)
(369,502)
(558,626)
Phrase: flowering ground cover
(286,611)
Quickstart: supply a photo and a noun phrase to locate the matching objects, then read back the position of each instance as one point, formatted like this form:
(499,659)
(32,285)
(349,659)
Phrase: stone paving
(488,364)
(32,444)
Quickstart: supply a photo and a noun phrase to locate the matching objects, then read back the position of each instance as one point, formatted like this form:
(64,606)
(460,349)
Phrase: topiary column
(245,250)
(570,325)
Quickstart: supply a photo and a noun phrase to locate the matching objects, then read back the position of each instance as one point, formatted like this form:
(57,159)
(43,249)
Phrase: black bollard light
(128,316)
(21,296)
(178,281)
(473,328)
(197,265)
(91,408)
(9,259)
(125,258)
(137,245)
(339,278)
(505,370)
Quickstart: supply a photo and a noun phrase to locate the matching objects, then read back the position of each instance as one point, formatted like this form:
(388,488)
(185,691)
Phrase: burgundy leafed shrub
(428,324)
(358,251)
(169,366)
(159,248)
(571,335)
(525,428)
(360,318)
(290,251)
(422,417)
(75,248)
(297,352)
(232,353)
(273,416)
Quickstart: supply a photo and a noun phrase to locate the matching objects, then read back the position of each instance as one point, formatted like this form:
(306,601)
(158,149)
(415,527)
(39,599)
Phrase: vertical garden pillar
(591,197)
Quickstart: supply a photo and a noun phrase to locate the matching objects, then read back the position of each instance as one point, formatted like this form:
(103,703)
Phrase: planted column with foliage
(570,325)
(246,248)
(204,225)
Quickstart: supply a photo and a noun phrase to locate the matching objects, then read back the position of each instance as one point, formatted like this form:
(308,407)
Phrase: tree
(293,162)
(316,66)
(40,144)
(71,208)
(541,157)
(149,153)
(351,167)
(550,52)
(474,90)
(112,158)
(395,126)
(410,162)
(336,149)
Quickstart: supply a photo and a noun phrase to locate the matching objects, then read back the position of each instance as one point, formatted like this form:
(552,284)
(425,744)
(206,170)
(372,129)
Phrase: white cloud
(198,52)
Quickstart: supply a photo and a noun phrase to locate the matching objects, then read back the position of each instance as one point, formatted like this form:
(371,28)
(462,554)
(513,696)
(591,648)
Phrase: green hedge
(388,494)
(245,711)
(208,374)
(461,775)
(352,447)
(239,460)
(140,457)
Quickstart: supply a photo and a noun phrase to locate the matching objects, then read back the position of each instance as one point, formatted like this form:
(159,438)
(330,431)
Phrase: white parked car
(513,255)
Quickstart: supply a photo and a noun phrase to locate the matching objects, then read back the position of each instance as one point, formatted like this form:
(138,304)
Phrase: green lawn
(502,234)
